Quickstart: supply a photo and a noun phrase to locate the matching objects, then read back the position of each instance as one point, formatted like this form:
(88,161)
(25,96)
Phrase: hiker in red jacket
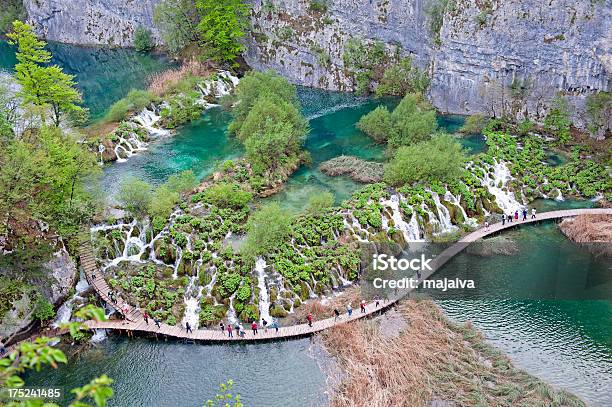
(309,318)
(363,306)
(229,331)
(254,327)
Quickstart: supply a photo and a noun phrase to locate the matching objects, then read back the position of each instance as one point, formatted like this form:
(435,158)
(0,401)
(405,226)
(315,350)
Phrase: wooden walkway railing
(137,323)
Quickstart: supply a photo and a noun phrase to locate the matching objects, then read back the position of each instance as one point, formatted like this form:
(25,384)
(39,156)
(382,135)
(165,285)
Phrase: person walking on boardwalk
(275,324)
(188,327)
(516,215)
(146,317)
(254,327)
(349,310)
(510,218)
(237,327)
(336,314)
(241,332)
(222,327)
(524,214)
(533,213)
(378,301)
(157,323)
(503,219)
(363,306)
(265,324)
(309,318)
(230,334)
(486,226)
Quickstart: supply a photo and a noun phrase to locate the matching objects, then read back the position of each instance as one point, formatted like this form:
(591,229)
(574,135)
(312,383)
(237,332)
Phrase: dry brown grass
(590,230)
(163,82)
(432,359)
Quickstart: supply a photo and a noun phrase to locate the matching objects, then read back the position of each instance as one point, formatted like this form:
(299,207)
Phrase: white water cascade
(446,224)
(64,313)
(410,230)
(503,197)
(264,298)
(456,200)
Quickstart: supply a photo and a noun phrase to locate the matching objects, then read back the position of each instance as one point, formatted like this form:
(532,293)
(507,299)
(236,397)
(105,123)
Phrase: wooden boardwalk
(137,323)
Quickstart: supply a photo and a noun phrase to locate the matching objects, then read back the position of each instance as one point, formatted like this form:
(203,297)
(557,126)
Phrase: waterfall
(449,197)
(64,313)
(409,230)
(264,298)
(147,120)
(446,223)
(231,312)
(504,198)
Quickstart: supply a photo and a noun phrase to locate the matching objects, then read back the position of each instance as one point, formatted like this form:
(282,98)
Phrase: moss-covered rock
(278,312)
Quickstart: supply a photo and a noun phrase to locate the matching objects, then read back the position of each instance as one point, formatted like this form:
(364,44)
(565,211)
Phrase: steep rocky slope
(491,56)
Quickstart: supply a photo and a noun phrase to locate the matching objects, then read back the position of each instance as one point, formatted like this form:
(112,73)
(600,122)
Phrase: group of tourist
(240,331)
(514,217)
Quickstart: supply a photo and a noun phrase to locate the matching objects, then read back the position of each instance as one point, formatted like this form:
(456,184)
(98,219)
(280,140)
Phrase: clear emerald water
(567,343)
(104,75)
(175,373)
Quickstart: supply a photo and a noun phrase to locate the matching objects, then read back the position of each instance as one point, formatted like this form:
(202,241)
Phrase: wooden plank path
(137,323)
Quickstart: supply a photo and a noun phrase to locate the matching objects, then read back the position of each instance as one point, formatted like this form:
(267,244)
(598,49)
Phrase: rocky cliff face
(497,57)
(108,22)
(500,57)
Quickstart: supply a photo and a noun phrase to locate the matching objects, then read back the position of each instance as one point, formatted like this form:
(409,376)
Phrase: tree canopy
(177,21)
(438,159)
(221,28)
(412,121)
(266,230)
(46,87)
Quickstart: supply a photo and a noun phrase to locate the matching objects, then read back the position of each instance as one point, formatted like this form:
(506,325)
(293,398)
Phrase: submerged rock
(357,169)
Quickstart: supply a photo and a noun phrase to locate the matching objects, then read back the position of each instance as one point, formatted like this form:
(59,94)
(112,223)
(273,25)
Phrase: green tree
(225,397)
(474,124)
(440,159)
(599,111)
(135,195)
(319,202)
(41,85)
(413,120)
(557,121)
(272,145)
(267,229)
(12,10)
(43,310)
(177,21)
(401,78)
(253,86)
(182,182)
(162,202)
(143,39)
(222,27)
(45,177)
(377,124)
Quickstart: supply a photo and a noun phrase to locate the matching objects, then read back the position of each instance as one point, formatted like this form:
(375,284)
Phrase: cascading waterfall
(444,219)
(264,298)
(409,230)
(501,175)
(64,313)
(456,200)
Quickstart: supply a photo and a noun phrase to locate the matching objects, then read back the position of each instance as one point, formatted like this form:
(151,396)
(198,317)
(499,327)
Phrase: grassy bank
(419,357)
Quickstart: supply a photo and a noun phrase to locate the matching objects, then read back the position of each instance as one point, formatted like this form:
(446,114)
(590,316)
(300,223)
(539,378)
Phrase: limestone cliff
(492,56)
(106,22)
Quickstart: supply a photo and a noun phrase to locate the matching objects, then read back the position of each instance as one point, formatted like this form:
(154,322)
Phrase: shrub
(377,124)
(267,229)
(402,78)
(319,202)
(162,202)
(440,159)
(135,196)
(319,6)
(557,121)
(599,111)
(474,124)
(43,310)
(143,40)
(225,195)
(135,100)
(176,21)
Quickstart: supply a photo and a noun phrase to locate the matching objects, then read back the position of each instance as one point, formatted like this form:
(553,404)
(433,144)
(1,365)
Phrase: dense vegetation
(412,121)
(214,28)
